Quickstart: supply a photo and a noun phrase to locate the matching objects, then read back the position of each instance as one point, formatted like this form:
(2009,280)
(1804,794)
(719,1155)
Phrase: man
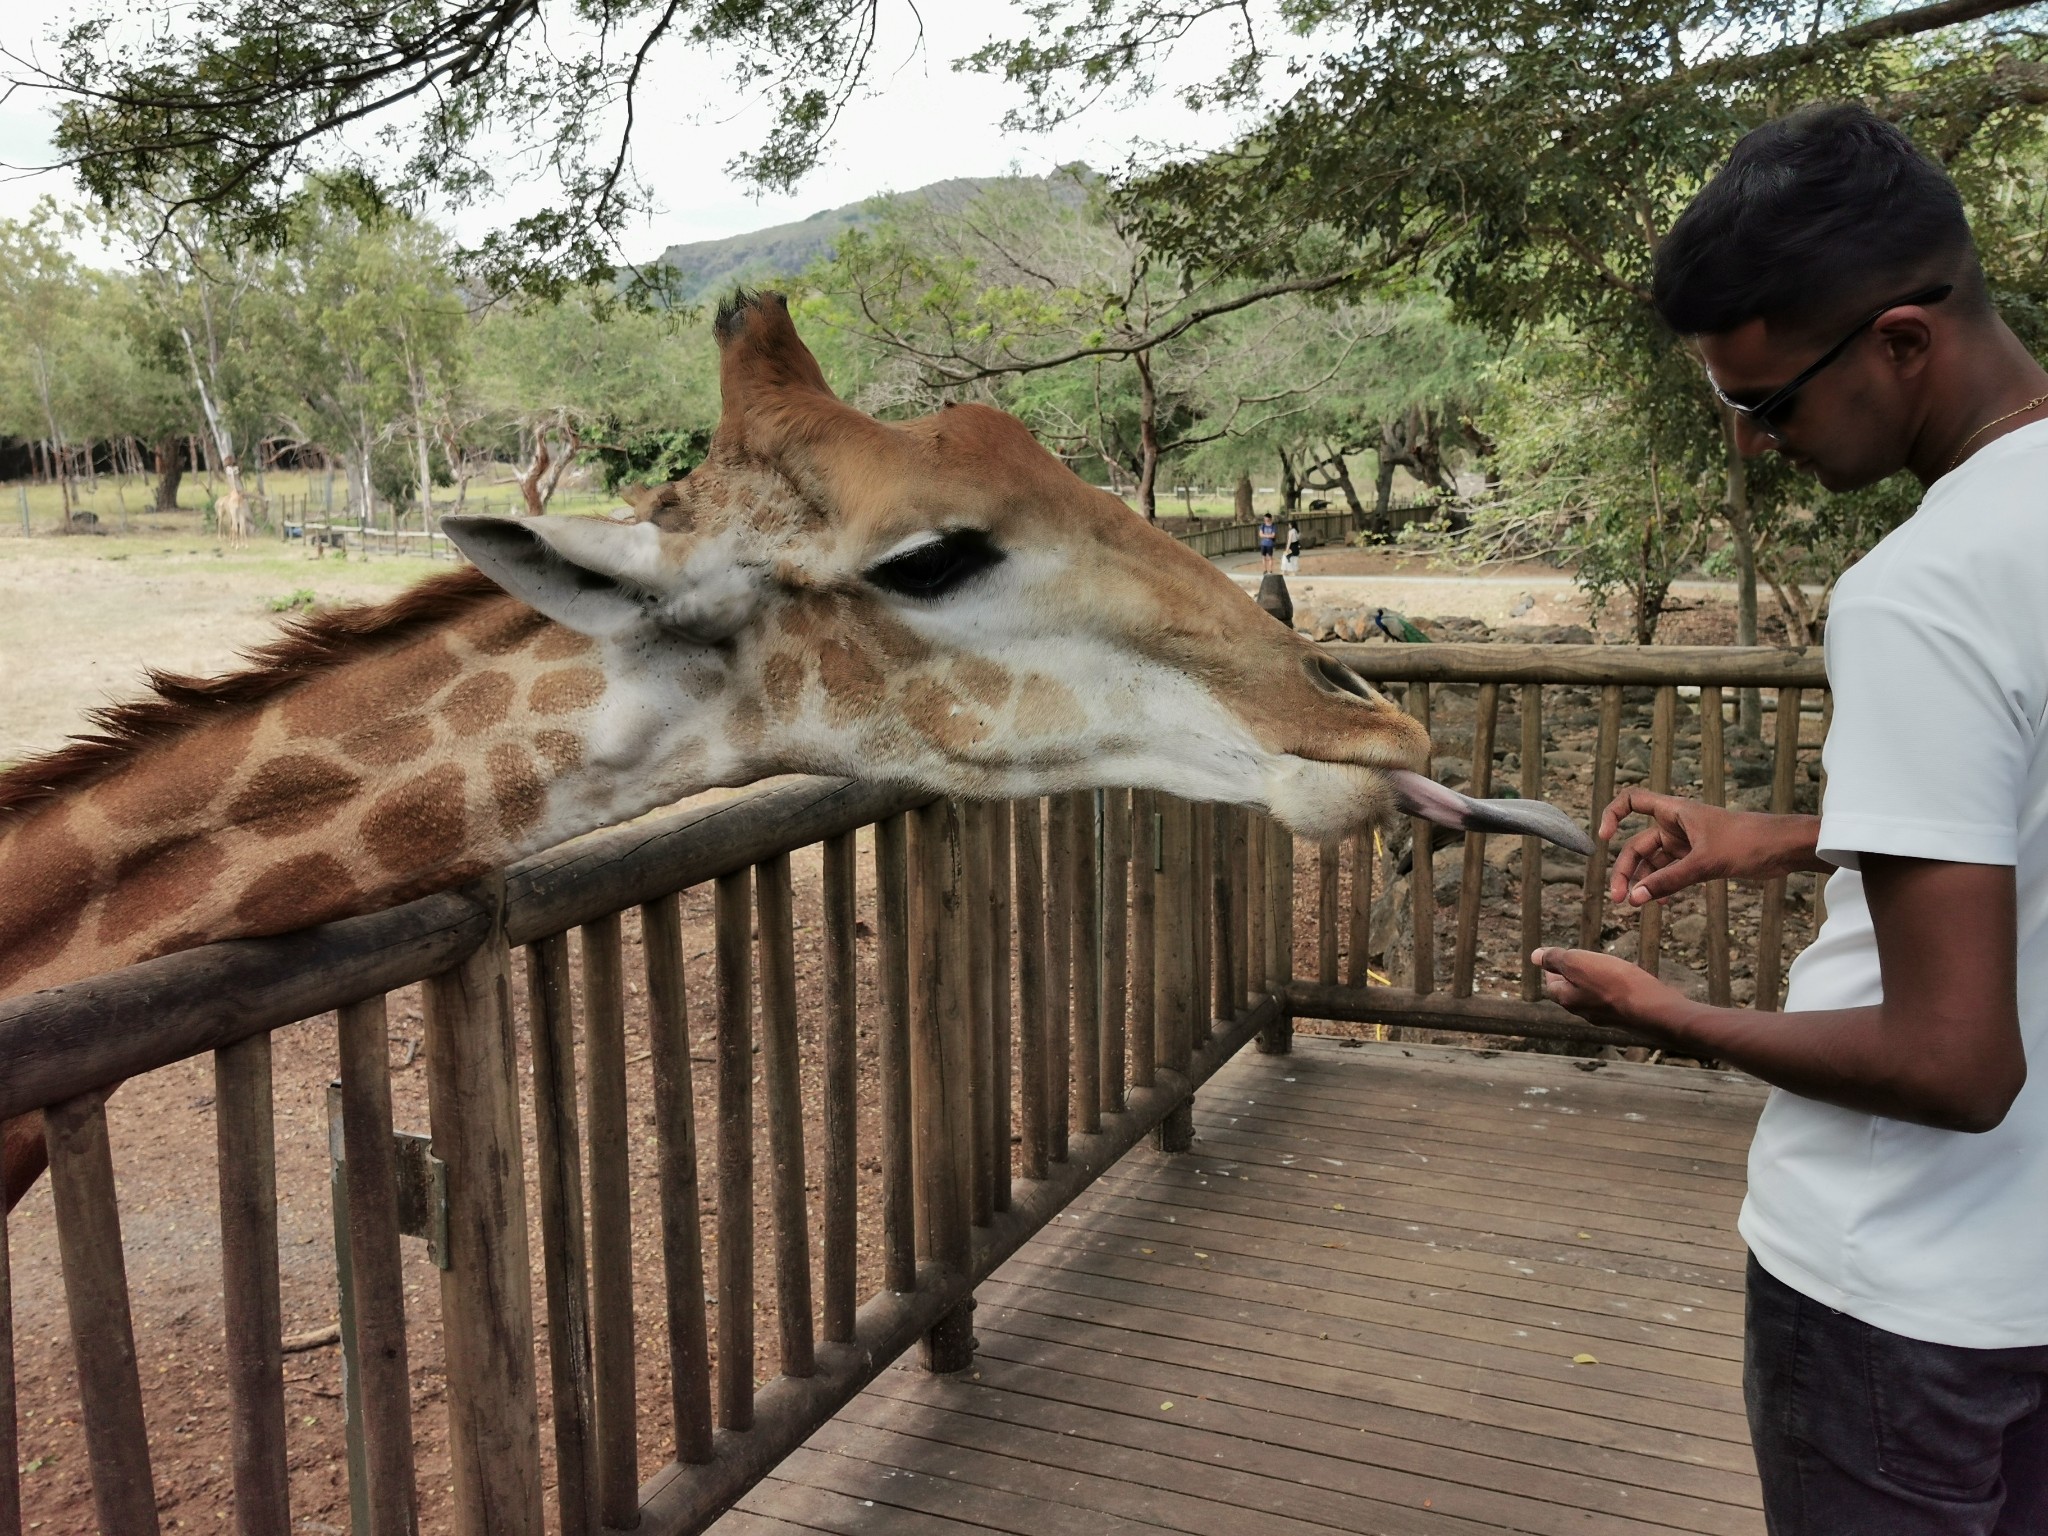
(1266,533)
(1897,1214)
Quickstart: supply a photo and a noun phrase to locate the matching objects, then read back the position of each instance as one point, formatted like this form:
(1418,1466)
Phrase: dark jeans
(1860,1432)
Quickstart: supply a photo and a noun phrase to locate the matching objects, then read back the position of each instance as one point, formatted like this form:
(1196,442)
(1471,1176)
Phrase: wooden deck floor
(1354,1307)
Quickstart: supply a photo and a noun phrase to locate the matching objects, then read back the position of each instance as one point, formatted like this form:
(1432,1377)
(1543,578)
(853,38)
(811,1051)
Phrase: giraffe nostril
(1335,677)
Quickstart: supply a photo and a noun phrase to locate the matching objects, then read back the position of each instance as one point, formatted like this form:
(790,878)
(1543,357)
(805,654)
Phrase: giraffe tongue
(1423,796)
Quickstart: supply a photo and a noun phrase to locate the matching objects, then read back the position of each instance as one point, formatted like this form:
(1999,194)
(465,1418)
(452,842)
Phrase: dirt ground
(123,604)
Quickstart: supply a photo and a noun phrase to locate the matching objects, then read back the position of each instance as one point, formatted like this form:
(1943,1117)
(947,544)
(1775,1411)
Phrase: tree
(43,300)
(1528,154)
(358,322)
(237,104)
(1048,284)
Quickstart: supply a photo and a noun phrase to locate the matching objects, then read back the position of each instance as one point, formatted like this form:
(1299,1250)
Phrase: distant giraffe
(939,603)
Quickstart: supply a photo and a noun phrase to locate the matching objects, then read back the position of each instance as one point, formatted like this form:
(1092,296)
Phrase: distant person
(1293,561)
(1267,534)
(1896,1367)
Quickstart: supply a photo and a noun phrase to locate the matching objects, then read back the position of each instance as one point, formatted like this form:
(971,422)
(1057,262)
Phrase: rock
(1522,605)
(1459,628)
(1748,773)
(1562,869)
(1756,799)
(1545,634)
(1450,877)
(1566,757)
(1690,930)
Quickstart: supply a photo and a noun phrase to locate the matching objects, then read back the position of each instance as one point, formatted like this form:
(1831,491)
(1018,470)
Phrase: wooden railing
(1069,971)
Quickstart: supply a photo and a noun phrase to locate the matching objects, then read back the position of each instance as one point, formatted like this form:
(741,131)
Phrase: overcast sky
(922,123)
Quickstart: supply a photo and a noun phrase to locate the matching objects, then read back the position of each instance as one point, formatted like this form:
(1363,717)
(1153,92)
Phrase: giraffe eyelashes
(943,565)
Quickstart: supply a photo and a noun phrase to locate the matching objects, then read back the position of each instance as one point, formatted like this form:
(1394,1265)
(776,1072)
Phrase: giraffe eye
(935,569)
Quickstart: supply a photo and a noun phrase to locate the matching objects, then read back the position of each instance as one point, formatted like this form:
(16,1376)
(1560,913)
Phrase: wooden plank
(564,1262)
(1059,972)
(1650,934)
(102,1331)
(1174,955)
(981,1066)
(1358,944)
(1040,1406)
(1240,910)
(1258,874)
(1464,957)
(892,986)
(1002,1021)
(939,1031)
(1770,944)
(486,1290)
(1201,921)
(732,924)
(1087,962)
(1543,1020)
(1532,847)
(10,1433)
(1593,907)
(781,1077)
(1329,869)
(1421,874)
(841,1178)
(1144,1027)
(1034,1109)
(250,1306)
(391,1498)
(1491,662)
(1116,936)
(614,1389)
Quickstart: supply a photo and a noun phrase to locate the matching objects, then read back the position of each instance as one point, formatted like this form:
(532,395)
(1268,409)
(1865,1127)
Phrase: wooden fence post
(486,1291)
(941,1055)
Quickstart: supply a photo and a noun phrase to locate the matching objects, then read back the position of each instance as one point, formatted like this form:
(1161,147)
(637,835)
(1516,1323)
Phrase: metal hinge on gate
(421,1180)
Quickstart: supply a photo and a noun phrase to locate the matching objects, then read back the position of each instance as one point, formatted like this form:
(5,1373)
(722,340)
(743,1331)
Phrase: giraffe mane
(176,702)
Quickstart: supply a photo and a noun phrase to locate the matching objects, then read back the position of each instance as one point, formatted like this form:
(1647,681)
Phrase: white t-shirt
(1937,651)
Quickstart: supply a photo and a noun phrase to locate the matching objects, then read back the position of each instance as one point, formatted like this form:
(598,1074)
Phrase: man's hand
(1688,841)
(1607,990)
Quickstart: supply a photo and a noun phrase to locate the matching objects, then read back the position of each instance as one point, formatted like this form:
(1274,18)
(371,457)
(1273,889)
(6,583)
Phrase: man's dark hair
(1815,215)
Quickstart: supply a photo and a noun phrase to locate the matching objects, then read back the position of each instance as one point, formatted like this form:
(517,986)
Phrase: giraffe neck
(401,768)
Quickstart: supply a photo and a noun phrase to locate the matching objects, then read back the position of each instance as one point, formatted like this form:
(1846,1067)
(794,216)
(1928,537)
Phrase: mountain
(708,268)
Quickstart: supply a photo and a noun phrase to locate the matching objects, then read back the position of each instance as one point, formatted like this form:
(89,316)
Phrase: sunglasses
(1770,414)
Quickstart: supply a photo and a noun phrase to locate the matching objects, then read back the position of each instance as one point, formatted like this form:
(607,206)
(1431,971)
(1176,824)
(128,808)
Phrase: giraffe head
(940,602)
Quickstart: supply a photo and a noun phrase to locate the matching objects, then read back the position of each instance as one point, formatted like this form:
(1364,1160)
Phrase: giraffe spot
(560,750)
(560,693)
(352,698)
(420,825)
(499,629)
(312,888)
(180,778)
(782,685)
(49,880)
(937,713)
(982,681)
(293,794)
(558,642)
(1047,707)
(478,703)
(158,881)
(517,788)
(853,683)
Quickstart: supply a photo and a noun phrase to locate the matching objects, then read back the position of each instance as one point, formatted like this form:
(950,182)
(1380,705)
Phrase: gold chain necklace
(2038,400)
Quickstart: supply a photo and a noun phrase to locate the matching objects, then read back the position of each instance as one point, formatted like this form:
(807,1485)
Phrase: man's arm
(1944,1047)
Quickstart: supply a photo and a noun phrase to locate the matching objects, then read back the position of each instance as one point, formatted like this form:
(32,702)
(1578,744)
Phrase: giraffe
(938,602)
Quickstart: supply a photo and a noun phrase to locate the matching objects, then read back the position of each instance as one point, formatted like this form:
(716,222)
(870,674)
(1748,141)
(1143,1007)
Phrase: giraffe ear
(610,579)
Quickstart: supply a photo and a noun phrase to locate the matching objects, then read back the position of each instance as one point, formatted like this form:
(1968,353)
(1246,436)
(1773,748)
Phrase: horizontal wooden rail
(1488,662)
(680,1498)
(68,1040)
(1402,1008)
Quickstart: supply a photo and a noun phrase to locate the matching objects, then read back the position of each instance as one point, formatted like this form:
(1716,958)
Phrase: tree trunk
(1735,511)
(1290,487)
(1148,438)
(1342,471)
(1242,503)
(170,469)
(529,483)
(1383,492)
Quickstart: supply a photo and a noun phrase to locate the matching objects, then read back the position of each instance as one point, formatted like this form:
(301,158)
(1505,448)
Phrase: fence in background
(1068,970)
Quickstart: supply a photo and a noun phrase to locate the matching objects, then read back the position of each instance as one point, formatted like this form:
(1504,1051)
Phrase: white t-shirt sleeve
(1928,753)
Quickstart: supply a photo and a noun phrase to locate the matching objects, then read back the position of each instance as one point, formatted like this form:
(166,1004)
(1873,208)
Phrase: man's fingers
(1630,802)
(1667,880)
(1647,849)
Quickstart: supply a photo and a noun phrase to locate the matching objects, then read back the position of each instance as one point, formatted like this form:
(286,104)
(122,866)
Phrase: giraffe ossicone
(937,602)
